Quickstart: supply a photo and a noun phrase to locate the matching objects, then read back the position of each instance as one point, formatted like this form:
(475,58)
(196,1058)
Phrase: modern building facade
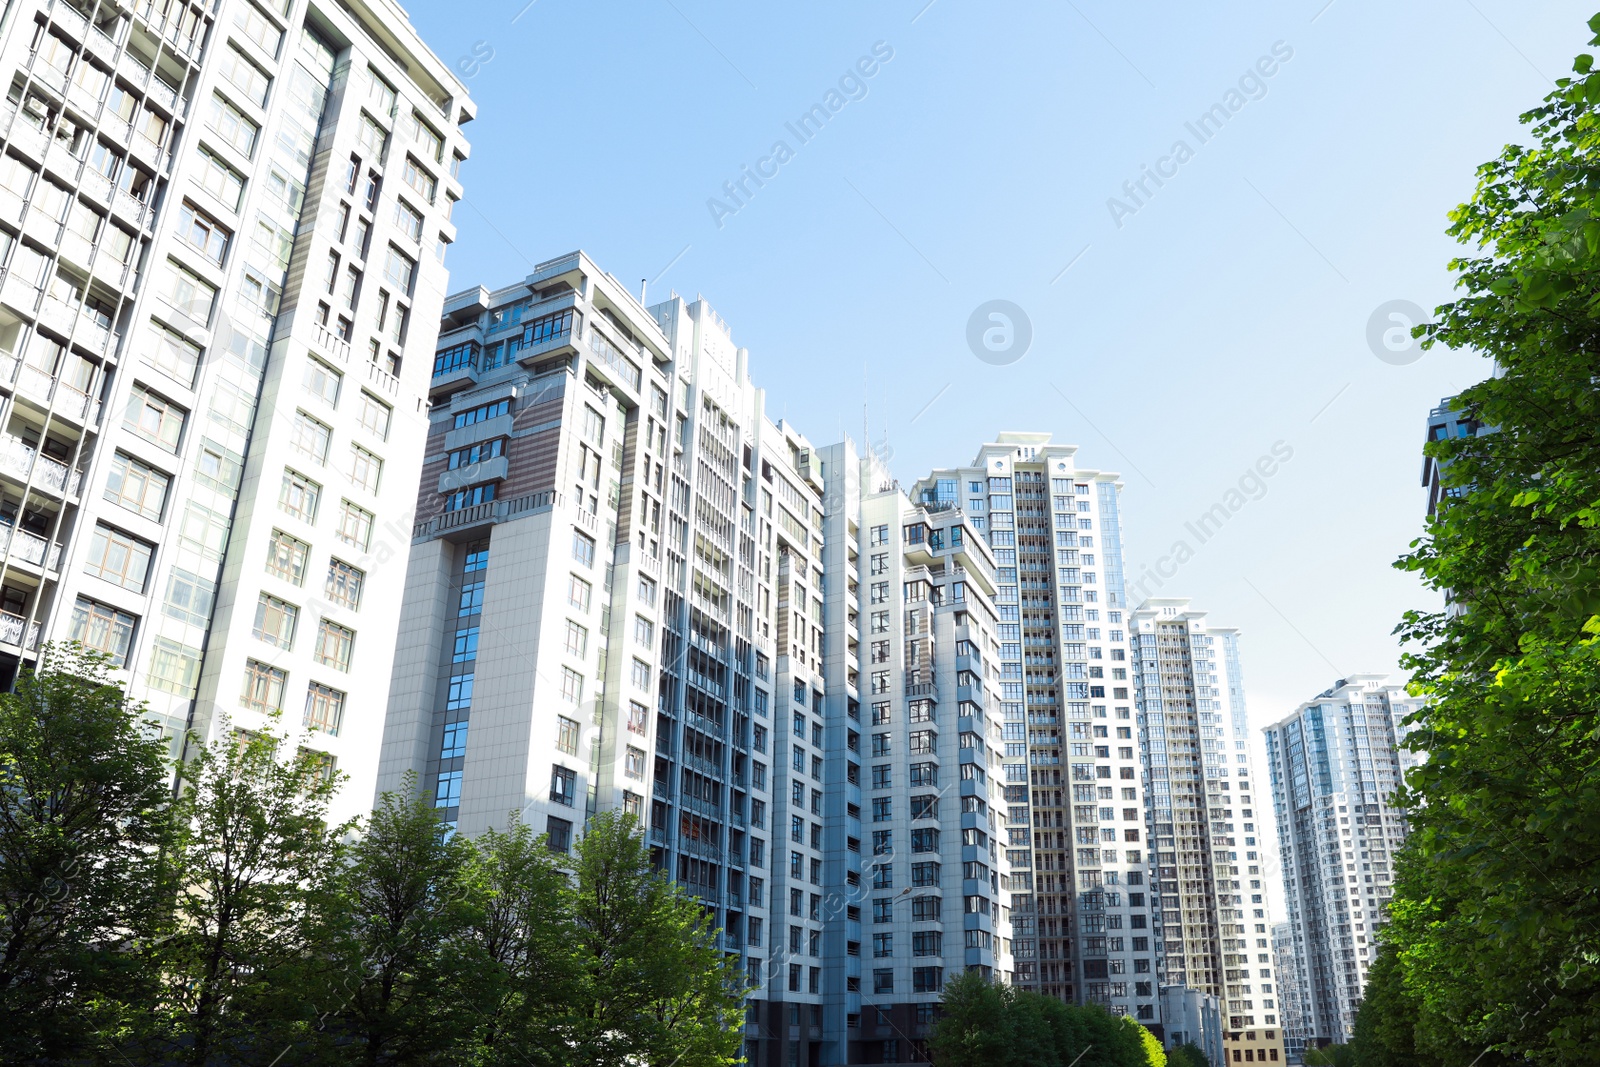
(1204,809)
(1335,764)
(912,595)
(1191,1017)
(1291,980)
(632,590)
(1444,422)
(1074,818)
(222,227)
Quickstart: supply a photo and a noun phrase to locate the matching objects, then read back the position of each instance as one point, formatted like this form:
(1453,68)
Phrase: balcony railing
(21,459)
(11,627)
(332,343)
(29,547)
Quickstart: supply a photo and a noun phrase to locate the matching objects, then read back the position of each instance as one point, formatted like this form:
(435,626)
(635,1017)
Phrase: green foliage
(1187,1055)
(985,1024)
(255,845)
(233,925)
(84,822)
(652,983)
(1498,896)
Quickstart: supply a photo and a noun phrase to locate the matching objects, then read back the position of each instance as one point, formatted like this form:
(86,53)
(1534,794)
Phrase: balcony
(548,347)
(20,460)
(330,343)
(11,628)
(30,548)
(383,379)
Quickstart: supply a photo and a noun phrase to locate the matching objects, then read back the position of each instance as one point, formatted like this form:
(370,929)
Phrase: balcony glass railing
(20,459)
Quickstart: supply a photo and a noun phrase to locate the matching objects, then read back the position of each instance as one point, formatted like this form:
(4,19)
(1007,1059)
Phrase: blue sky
(1226,313)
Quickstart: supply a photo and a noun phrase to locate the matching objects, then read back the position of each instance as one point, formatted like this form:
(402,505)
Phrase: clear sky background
(1227,313)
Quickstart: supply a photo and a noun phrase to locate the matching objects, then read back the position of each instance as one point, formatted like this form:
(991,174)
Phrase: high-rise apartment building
(222,226)
(630,589)
(1444,422)
(913,629)
(591,615)
(1291,1012)
(1335,764)
(1204,811)
(1074,819)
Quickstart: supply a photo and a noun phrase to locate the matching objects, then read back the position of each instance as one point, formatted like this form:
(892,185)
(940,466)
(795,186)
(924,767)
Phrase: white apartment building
(1074,819)
(630,589)
(1335,764)
(1205,816)
(912,628)
(222,227)
(1291,1012)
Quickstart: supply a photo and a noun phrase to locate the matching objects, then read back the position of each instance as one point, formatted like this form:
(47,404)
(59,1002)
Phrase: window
(344,584)
(263,687)
(415,175)
(466,645)
(371,136)
(399,270)
(558,834)
(644,631)
(191,294)
(640,674)
(927,979)
(286,557)
(103,629)
(174,667)
(324,708)
(154,418)
(482,413)
(408,219)
(298,496)
(220,180)
(204,530)
(571,685)
(275,621)
(355,525)
(633,763)
(232,125)
(583,548)
(217,467)
(334,643)
(578,592)
(119,558)
(448,794)
(458,694)
(203,233)
(470,497)
(455,741)
(250,79)
(563,785)
(374,415)
(577,638)
(322,382)
(140,489)
(365,468)
(310,437)
(427,138)
(189,597)
(567,735)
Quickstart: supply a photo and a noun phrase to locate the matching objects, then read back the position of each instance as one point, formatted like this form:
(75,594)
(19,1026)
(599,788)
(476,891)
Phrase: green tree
(653,986)
(84,826)
(523,929)
(257,844)
(1495,920)
(1187,1054)
(974,1028)
(398,975)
